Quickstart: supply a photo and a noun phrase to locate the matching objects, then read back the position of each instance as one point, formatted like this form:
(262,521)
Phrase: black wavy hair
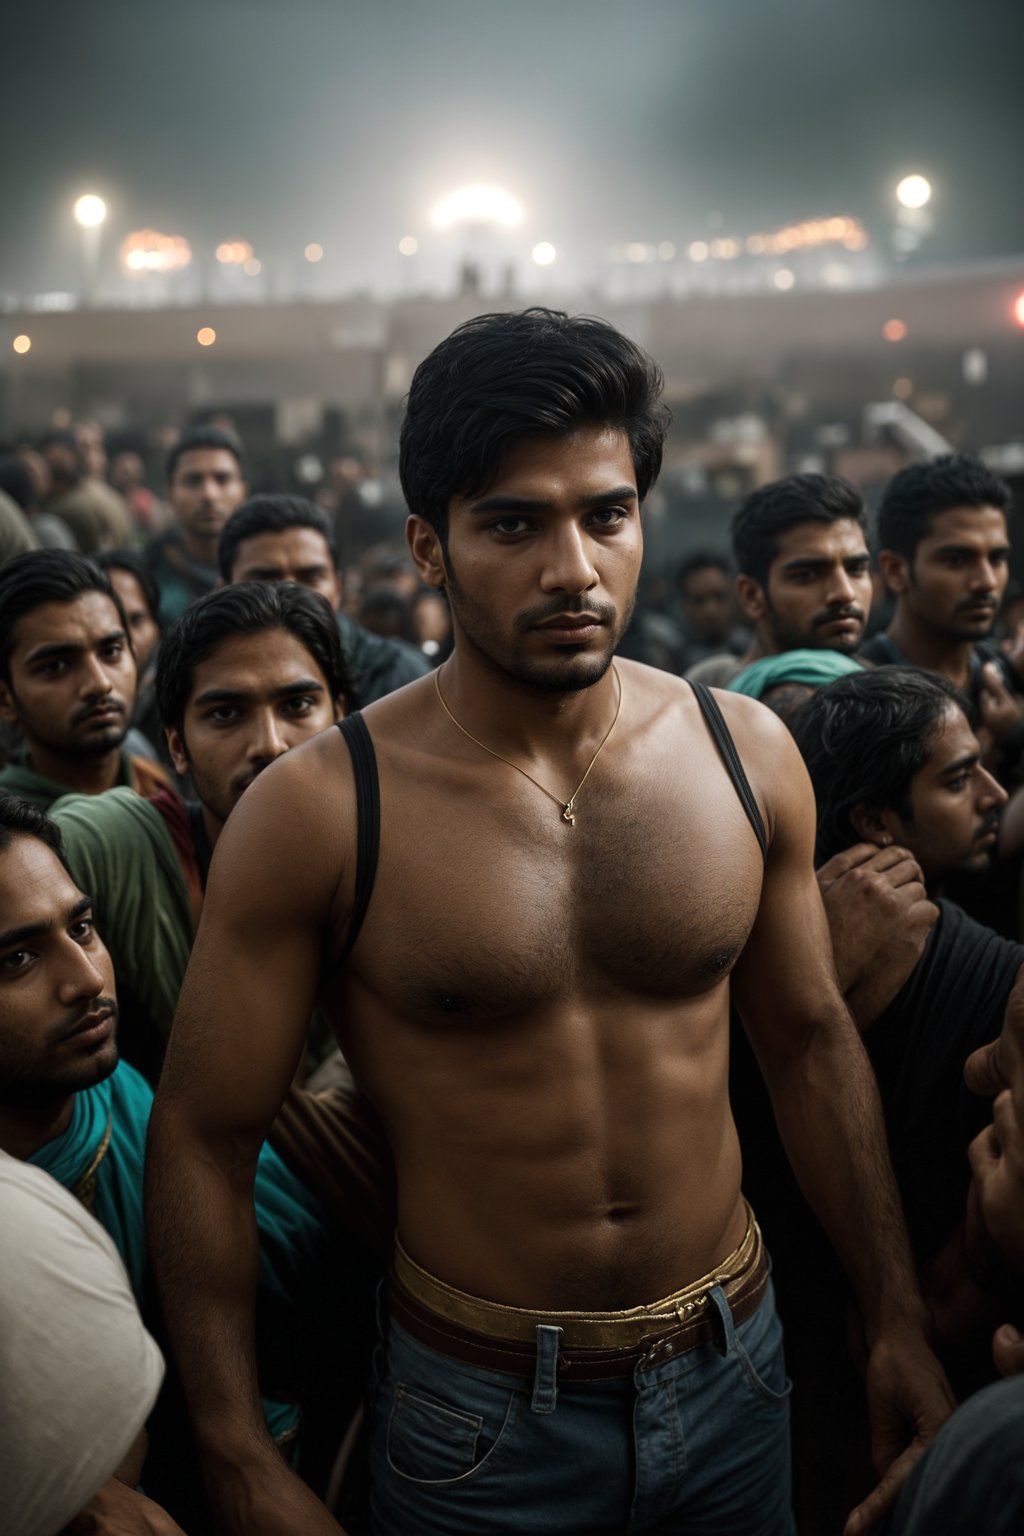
(921,491)
(774,508)
(500,378)
(247,608)
(864,737)
(269,514)
(46,576)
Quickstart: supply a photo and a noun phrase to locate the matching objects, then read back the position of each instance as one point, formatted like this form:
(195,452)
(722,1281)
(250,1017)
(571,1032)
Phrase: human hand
(1013,650)
(271,1501)
(1000,710)
(1008,1351)
(117,1510)
(879,917)
(909,1400)
(996,1155)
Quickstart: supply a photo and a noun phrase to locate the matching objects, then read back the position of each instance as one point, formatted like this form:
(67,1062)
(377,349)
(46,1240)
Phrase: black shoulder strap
(364,765)
(731,758)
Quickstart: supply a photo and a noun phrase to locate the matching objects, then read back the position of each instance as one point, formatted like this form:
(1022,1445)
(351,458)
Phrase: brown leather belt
(597,1346)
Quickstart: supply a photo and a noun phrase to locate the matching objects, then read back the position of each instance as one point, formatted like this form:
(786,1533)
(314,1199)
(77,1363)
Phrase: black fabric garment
(364,766)
(378,665)
(952,1002)
(882,651)
(715,722)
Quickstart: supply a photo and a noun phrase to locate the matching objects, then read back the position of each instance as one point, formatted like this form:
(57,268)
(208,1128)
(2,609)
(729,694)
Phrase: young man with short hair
(707,602)
(548,1047)
(944,550)
(287,538)
(205,483)
(903,798)
(804,577)
(245,674)
(68,680)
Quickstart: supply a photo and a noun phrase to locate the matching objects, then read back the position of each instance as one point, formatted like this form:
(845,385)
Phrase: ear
(750,596)
(8,709)
(425,548)
(895,570)
(873,826)
(176,747)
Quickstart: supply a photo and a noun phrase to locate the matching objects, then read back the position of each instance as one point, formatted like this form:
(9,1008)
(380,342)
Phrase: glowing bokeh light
(894,330)
(233,253)
(408,245)
(147,250)
(206,336)
(697,250)
(90,210)
(313,252)
(784,279)
(1018,308)
(477,205)
(21,343)
(903,388)
(544,253)
(253,267)
(914,191)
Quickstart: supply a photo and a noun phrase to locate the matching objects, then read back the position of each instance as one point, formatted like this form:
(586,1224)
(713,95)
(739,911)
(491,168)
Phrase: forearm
(830,1119)
(205,1253)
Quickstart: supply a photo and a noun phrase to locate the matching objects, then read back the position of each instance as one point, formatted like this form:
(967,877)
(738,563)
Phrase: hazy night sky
(610,120)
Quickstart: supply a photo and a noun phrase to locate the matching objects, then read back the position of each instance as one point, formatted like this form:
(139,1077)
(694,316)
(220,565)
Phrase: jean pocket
(430,1442)
(759,1352)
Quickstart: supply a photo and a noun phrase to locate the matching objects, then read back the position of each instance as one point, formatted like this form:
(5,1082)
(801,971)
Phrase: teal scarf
(812,668)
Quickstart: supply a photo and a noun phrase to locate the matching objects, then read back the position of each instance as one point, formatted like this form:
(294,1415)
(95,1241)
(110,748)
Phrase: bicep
(251,982)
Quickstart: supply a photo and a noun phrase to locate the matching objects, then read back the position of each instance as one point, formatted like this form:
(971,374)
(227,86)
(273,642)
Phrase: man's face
(58,1013)
(295,554)
(65,465)
(954,804)
(72,677)
(818,594)
(956,580)
(206,488)
(253,698)
(706,596)
(541,568)
(142,626)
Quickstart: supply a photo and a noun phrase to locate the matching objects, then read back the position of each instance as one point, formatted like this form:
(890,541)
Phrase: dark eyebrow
(969,549)
(38,930)
(48,652)
(246,696)
(971,760)
(500,503)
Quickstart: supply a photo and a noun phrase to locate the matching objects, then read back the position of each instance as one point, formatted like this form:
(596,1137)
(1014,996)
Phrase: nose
(984,577)
(990,792)
(267,740)
(82,975)
(96,680)
(568,566)
(841,588)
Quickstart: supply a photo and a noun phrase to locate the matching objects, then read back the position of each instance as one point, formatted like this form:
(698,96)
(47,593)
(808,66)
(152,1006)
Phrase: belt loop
(545,1380)
(720,1302)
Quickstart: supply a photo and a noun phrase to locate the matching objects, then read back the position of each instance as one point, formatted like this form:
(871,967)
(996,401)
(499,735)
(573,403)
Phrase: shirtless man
(547,1044)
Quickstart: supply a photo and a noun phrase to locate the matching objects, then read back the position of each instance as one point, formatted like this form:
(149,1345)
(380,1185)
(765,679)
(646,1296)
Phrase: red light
(1018,308)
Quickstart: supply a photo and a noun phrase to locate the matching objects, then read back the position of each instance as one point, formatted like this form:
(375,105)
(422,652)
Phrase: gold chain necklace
(569,806)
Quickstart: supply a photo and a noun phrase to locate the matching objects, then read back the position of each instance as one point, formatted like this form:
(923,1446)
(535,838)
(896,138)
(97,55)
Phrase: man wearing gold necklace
(581,1334)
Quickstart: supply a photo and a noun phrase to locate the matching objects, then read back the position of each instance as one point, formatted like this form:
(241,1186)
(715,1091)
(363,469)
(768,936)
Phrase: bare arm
(829,1116)
(237,1036)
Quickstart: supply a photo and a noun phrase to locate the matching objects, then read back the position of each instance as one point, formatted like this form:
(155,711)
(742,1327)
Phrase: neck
(523,721)
(200,547)
(925,648)
(24,1130)
(761,645)
(80,775)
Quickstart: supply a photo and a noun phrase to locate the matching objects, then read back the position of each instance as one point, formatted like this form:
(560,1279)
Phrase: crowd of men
(399,979)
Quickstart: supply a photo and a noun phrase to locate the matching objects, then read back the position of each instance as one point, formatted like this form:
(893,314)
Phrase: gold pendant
(568,814)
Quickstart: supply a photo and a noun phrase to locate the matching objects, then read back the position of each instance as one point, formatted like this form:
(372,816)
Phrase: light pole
(90,212)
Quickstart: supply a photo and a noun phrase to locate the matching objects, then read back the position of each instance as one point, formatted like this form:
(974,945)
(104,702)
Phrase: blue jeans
(696,1445)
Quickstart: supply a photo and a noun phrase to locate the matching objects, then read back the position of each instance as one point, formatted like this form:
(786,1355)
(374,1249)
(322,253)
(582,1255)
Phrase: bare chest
(487,904)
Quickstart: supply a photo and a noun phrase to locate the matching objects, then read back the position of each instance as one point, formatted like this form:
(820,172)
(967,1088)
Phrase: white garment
(79,1374)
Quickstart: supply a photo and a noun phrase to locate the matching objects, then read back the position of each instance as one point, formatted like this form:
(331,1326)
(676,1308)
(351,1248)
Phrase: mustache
(574,606)
(83,1018)
(850,611)
(991,823)
(88,710)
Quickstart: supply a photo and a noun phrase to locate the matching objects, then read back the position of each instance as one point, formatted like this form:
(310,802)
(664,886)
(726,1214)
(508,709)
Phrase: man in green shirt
(67,680)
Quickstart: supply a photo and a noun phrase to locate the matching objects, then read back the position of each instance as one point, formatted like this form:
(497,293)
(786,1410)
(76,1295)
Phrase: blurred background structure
(810,214)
